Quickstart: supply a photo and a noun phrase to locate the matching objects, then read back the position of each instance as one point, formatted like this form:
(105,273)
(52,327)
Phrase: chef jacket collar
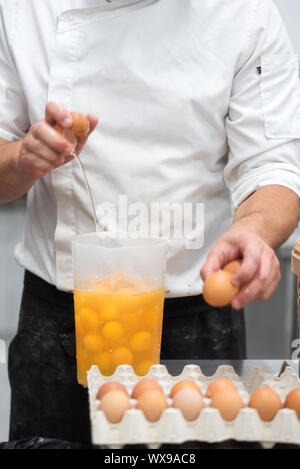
(71,19)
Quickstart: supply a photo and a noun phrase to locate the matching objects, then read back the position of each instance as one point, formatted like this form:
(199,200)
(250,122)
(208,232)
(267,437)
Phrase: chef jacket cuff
(286,177)
(9,136)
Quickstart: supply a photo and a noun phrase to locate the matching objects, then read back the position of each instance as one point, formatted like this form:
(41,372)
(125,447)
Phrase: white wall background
(290,12)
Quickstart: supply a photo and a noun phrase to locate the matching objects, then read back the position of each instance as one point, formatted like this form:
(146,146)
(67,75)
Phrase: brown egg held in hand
(144,385)
(267,403)
(292,401)
(152,403)
(217,384)
(114,404)
(189,401)
(81,125)
(218,289)
(228,402)
(110,386)
(232,267)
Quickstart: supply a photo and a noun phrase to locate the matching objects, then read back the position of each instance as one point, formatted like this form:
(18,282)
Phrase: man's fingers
(211,265)
(93,120)
(272,280)
(57,114)
(32,145)
(258,275)
(249,266)
(45,149)
(264,281)
(271,288)
(68,159)
(35,147)
(255,292)
(47,135)
(36,166)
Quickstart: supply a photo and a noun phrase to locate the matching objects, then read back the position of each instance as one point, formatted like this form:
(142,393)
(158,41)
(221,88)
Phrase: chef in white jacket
(198,103)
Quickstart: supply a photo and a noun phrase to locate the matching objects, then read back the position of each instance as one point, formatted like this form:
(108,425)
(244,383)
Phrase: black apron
(46,400)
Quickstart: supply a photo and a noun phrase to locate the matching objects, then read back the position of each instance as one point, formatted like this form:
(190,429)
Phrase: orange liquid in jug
(118,321)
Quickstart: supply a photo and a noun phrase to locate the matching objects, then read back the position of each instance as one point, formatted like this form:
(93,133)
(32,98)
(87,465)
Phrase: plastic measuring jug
(118,299)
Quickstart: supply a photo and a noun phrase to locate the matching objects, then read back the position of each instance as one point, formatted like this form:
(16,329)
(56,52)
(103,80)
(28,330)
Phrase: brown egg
(189,401)
(292,401)
(80,126)
(232,267)
(218,289)
(184,384)
(144,385)
(114,404)
(220,383)
(110,386)
(152,403)
(267,403)
(228,402)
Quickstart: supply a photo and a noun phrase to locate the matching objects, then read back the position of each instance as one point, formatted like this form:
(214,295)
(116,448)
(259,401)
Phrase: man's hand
(44,149)
(259,273)
(261,224)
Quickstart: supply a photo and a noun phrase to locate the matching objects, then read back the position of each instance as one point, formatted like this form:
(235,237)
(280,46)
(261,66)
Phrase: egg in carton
(126,376)
(209,426)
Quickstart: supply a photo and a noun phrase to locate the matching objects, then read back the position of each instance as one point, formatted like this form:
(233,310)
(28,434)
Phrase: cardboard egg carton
(209,427)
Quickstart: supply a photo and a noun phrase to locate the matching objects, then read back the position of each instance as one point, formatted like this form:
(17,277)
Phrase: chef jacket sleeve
(14,120)
(263,121)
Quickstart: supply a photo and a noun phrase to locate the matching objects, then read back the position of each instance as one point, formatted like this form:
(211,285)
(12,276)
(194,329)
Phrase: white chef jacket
(198,101)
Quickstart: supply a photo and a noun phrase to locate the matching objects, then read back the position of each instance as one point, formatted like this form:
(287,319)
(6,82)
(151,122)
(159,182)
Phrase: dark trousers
(45,397)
